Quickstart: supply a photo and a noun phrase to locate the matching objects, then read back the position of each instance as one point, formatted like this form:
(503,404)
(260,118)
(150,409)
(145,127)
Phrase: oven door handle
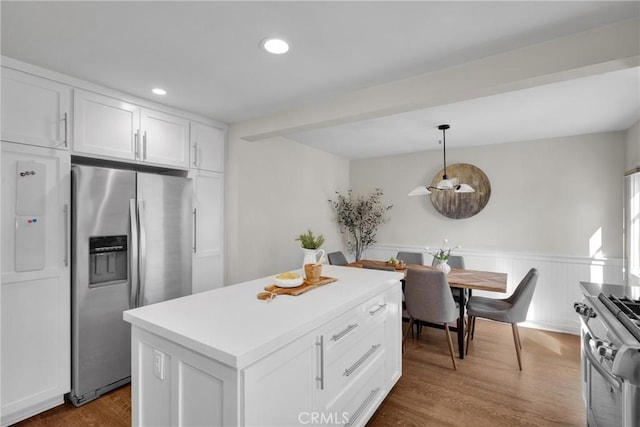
(586,349)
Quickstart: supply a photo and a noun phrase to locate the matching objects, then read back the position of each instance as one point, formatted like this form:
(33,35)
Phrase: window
(632,226)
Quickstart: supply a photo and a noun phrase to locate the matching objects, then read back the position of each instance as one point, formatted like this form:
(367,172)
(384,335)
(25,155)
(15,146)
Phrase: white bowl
(288,283)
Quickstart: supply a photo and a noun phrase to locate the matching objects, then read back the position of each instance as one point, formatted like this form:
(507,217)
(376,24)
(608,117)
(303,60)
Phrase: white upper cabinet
(207,145)
(165,139)
(35,111)
(106,126)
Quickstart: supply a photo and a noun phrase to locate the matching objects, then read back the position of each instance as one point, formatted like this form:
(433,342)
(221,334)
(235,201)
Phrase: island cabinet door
(175,386)
(278,389)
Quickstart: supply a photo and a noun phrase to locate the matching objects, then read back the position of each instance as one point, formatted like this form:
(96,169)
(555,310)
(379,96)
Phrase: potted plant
(310,244)
(309,241)
(359,218)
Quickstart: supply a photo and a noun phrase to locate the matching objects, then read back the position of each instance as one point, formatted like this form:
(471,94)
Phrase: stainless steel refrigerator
(132,241)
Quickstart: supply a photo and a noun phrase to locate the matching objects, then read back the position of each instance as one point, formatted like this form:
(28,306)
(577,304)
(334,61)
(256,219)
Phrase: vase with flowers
(441,256)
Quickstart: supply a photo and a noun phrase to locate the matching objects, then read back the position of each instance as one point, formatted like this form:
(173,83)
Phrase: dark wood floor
(486,390)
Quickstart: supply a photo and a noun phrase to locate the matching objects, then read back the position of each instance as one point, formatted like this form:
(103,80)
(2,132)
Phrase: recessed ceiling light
(275,46)
(159,91)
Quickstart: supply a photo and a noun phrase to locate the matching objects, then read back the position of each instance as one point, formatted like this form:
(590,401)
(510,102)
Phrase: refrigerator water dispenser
(107,260)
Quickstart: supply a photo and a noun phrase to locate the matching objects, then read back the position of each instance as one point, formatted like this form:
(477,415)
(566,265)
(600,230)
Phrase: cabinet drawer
(359,400)
(376,308)
(340,334)
(356,362)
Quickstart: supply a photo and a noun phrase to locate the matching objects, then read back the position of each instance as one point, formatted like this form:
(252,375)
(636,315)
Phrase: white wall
(548,200)
(633,147)
(547,197)
(276,190)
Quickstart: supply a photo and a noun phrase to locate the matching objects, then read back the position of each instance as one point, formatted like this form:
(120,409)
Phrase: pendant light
(445,184)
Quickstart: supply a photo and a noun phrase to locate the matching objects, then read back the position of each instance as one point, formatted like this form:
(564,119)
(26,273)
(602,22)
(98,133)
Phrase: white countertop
(232,326)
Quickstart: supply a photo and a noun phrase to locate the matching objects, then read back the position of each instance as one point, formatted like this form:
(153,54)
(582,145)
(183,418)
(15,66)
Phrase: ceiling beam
(601,50)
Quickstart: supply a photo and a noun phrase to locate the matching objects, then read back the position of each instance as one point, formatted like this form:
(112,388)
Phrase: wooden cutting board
(273,289)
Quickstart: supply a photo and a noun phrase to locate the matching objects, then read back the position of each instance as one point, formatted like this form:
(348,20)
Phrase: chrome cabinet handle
(320,345)
(136,145)
(195,154)
(66,132)
(65,211)
(144,146)
(195,233)
(339,335)
(377,310)
(361,408)
(360,361)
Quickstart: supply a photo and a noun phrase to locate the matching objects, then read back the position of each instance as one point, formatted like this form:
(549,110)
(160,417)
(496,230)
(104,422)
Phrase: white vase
(443,266)
(311,256)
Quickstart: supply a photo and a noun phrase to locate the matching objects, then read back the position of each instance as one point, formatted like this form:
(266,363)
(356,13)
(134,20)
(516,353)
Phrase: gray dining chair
(428,299)
(510,310)
(411,257)
(378,267)
(454,261)
(337,258)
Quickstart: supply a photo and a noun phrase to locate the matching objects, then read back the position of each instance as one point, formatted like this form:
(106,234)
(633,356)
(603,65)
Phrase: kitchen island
(224,357)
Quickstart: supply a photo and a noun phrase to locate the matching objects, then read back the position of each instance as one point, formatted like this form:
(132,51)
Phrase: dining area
(441,296)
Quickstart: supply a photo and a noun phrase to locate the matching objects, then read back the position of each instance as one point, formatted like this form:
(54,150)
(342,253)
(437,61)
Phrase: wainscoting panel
(557,288)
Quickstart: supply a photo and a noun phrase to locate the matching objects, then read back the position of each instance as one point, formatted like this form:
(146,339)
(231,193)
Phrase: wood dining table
(457,278)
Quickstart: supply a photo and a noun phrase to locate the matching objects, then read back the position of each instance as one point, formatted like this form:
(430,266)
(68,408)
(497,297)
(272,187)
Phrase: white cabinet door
(35,280)
(105,126)
(35,346)
(208,231)
(207,145)
(165,139)
(35,111)
(279,389)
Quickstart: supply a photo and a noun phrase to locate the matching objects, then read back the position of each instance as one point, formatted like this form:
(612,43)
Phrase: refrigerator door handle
(133,247)
(143,252)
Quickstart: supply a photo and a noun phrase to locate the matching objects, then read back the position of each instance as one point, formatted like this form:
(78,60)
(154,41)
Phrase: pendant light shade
(446,183)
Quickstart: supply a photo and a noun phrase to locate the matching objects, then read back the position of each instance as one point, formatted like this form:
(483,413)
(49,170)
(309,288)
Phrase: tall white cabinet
(35,280)
(207,167)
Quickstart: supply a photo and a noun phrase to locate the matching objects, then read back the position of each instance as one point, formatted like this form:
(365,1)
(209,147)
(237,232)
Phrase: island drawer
(341,333)
(354,402)
(340,372)
(376,308)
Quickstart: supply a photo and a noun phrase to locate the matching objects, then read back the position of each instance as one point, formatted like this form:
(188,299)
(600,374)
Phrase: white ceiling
(206,55)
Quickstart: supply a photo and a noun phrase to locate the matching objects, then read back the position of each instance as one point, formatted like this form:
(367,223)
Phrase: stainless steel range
(610,355)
